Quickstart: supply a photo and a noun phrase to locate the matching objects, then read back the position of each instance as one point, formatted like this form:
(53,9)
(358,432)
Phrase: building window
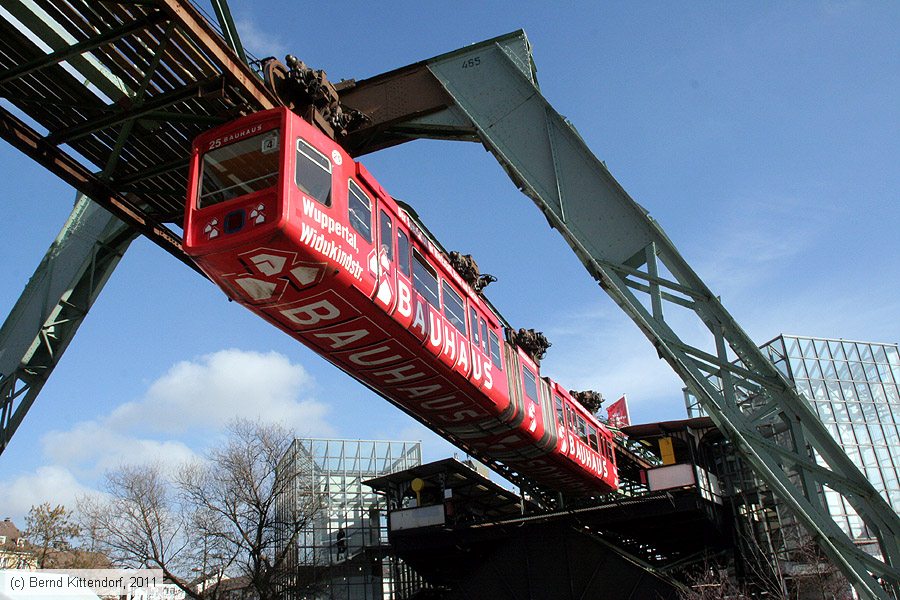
(473,321)
(313,174)
(360,211)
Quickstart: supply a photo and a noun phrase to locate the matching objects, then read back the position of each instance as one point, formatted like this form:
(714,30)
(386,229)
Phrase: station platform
(469,537)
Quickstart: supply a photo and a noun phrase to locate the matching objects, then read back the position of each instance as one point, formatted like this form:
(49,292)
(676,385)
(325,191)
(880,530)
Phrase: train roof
(414,217)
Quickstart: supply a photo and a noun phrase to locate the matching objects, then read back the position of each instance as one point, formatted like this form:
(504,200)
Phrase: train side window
(582,431)
(454,309)
(560,416)
(495,351)
(386,231)
(403,252)
(592,438)
(360,210)
(473,323)
(425,280)
(530,384)
(313,173)
(484,337)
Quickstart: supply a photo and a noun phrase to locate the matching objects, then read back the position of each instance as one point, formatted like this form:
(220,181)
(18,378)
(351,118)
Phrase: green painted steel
(626,251)
(229,31)
(56,300)
(54,35)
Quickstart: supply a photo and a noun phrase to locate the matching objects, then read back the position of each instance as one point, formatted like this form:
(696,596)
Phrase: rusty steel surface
(114,105)
(389,100)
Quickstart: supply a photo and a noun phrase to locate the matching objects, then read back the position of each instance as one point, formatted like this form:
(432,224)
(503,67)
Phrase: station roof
(493,500)
(645,430)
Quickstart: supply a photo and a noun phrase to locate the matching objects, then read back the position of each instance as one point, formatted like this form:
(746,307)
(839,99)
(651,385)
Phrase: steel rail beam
(208,39)
(68,52)
(206,52)
(26,139)
(493,91)
(54,35)
(141,109)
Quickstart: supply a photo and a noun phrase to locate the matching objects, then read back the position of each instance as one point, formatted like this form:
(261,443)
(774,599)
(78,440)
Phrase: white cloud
(216,388)
(96,448)
(53,484)
(259,42)
(185,407)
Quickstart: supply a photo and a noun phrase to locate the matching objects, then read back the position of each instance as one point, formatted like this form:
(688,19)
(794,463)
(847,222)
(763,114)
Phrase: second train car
(289,225)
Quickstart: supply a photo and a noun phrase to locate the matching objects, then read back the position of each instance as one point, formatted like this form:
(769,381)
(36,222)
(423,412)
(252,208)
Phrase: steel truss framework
(494,89)
(109,97)
(158,74)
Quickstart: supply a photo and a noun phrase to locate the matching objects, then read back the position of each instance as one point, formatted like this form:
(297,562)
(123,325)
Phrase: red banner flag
(617,413)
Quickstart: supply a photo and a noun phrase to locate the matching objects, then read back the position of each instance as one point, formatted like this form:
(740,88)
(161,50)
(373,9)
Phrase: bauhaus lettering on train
(305,237)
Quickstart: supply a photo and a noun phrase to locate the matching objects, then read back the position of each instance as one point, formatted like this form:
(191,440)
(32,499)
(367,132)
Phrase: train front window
(244,167)
(454,309)
(425,280)
(313,174)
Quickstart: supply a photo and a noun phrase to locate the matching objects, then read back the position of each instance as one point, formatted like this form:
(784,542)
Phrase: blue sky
(764,137)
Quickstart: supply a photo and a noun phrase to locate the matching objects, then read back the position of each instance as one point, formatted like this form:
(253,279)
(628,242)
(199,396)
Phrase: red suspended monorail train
(290,226)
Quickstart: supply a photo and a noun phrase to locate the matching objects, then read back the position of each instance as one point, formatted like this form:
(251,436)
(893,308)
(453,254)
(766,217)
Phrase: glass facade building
(853,387)
(341,552)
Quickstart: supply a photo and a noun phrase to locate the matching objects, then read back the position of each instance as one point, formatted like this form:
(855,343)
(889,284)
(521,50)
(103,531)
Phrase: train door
(383,259)
(405,311)
(534,420)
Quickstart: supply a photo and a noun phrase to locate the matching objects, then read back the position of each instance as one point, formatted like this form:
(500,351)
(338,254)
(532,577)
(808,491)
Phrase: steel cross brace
(489,92)
(52,307)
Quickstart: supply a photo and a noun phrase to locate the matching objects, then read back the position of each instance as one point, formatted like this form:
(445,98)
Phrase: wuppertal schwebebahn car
(290,226)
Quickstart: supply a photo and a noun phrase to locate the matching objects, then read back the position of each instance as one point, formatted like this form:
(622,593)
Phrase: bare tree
(816,576)
(237,512)
(50,531)
(236,493)
(138,524)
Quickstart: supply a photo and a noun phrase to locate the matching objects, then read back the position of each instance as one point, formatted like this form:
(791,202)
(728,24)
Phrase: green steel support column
(55,301)
(494,88)
(229,31)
